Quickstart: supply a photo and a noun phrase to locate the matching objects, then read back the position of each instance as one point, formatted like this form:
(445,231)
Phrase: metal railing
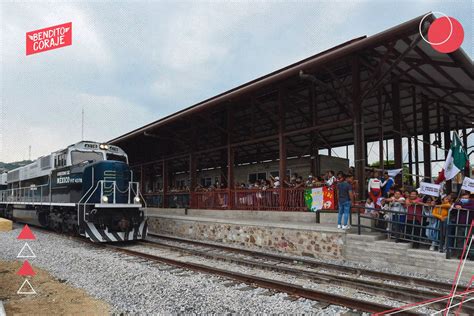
(419,226)
(293,199)
(41,193)
(458,225)
(31,194)
(215,199)
(110,189)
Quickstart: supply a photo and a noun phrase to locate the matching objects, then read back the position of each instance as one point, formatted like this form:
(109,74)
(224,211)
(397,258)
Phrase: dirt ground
(53,296)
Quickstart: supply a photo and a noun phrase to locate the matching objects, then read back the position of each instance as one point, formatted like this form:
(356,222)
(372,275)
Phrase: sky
(132,63)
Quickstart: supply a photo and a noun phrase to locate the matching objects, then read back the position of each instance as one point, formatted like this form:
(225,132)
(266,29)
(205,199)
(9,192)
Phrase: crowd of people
(273,182)
(293,181)
(408,215)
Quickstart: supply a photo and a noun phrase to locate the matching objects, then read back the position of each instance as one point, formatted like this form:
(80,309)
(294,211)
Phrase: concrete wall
(378,251)
(287,239)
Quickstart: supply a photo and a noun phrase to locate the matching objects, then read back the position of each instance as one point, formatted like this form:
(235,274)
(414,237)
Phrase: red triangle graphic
(26,269)
(26,233)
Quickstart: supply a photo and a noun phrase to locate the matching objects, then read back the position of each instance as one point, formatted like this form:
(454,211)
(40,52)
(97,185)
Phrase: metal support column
(141,178)
(359,142)
(282,147)
(380,119)
(314,143)
(415,132)
(410,161)
(464,141)
(230,160)
(425,118)
(447,143)
(397,127)
(165,182)
(192,179)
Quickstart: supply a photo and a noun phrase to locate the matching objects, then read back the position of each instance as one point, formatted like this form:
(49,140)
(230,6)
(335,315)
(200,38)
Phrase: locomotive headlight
(104,146)
(105,199)
(137,199)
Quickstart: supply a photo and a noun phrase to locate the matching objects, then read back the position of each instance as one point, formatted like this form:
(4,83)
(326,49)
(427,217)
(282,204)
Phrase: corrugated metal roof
(425,74)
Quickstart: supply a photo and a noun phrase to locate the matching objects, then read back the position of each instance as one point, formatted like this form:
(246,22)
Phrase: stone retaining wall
(289,240)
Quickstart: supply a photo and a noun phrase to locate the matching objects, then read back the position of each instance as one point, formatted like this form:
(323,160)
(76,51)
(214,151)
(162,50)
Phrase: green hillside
(6,166)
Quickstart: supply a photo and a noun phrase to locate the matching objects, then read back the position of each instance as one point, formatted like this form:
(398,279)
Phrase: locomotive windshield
(81,156)
(116,157)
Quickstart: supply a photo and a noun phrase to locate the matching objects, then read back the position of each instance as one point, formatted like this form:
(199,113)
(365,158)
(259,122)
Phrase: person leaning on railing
(396,216)
(427,220)
(440,212)
(414,206)
(462,214)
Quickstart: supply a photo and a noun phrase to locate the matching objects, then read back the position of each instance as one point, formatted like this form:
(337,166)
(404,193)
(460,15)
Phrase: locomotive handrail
(137,193)
(85,203)
(131,190)
(85,194)
(23,194)
(95,188)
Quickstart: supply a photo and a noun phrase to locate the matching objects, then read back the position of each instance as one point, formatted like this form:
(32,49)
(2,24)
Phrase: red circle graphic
(439,34)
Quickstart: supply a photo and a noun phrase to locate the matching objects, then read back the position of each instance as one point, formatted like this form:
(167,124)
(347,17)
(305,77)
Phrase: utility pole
(29,152)
(82,124)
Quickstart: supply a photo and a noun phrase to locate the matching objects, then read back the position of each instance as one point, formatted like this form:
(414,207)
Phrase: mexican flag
(456,159)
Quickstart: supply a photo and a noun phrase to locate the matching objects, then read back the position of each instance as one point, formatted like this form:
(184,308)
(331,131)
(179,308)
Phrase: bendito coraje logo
(49,38)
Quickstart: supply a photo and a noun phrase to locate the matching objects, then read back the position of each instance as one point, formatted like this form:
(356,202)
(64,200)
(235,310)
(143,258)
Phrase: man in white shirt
(276,183)
(375,188)
(331,179)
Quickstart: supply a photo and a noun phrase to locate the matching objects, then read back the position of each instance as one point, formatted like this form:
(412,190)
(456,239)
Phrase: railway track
(368,281)
(254,259)
(292,289)
(443,287)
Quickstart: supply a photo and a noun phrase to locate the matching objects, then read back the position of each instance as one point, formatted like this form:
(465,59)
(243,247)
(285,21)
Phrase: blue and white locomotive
(86,189)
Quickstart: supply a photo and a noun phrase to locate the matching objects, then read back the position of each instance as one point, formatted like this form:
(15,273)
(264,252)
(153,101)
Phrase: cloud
(109,116)
(134,62)
(105,117)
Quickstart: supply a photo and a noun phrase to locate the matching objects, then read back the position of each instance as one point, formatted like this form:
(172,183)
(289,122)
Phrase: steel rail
(289,259)
(279,286)
(390,291)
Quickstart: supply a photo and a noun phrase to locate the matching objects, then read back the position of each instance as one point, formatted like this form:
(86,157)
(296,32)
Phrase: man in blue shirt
(387,184)
(346,198)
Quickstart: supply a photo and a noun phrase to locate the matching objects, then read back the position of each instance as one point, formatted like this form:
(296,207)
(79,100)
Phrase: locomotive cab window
(116,157)
(81,156)
(60,160)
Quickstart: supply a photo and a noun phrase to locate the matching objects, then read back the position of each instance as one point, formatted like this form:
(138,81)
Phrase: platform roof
(318,112)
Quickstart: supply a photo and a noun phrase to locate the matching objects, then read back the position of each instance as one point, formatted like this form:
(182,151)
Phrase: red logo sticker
(49,38)
(26,269)
(26,233)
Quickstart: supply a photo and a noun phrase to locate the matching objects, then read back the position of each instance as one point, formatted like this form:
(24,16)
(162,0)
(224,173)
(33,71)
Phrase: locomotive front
(110,207)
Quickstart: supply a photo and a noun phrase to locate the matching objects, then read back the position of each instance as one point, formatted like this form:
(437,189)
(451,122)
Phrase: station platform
(298,233)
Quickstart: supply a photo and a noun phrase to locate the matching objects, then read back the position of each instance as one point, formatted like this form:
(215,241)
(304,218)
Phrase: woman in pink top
(375,188)
(414,205)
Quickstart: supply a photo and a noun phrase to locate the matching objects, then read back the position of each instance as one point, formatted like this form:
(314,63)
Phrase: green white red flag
(456,159)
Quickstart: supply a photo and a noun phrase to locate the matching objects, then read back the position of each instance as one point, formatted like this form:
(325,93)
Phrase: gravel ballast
(132,285)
